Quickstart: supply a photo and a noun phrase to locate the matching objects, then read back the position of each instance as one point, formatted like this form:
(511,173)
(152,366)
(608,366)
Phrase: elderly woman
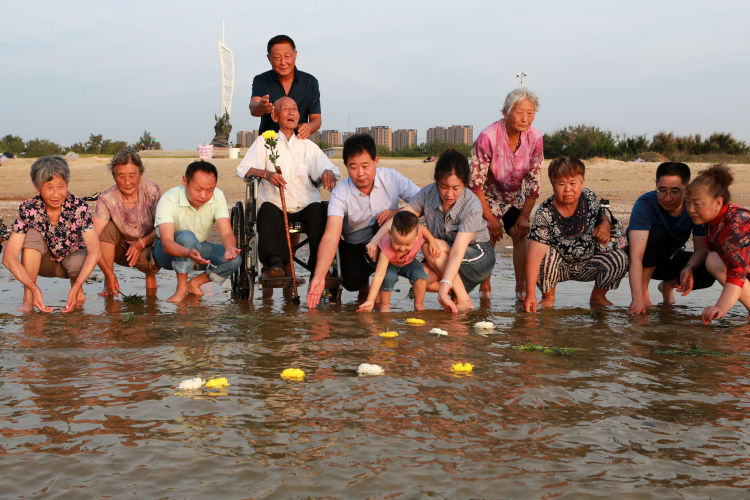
(727,237)
(570,239)
(505,169)
(124,221)
(54,235)
(453,215)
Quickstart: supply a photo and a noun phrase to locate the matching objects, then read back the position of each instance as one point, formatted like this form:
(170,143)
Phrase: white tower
(226,59)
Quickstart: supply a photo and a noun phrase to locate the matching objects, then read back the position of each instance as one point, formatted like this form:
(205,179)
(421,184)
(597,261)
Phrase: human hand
(195,255)
(521,228)
(366,306)
(686,281)
(276,179)
(231,254)
(385,215)
(134,251)
(445,300)
(529,303)
(314,291)
(75,289)
(329,180)
(603,232)
(265,104)
(711,313)
(637,306)
(434,249)
(495,226)
(111,286)
(38,300)
(372,251)
(303,130)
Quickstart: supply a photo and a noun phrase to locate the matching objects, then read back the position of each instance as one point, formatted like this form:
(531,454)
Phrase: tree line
(96,144)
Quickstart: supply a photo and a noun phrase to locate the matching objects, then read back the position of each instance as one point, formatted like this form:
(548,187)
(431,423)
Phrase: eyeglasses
(672,192)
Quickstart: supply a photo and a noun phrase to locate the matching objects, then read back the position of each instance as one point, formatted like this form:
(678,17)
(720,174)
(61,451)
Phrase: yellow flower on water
(269,134)
(217,383)
(462,368)
(415,321)
(389,334)
(293,374)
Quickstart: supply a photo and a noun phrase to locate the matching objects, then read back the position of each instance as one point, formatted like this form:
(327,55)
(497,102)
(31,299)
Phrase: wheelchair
(244,226)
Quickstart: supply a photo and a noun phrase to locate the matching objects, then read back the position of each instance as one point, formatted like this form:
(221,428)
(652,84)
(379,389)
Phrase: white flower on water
(368,369)
(438,331)
(191,384)
(484,325)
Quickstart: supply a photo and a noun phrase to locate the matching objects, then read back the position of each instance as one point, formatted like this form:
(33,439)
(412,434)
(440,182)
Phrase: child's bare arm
(377,281)
(431,241)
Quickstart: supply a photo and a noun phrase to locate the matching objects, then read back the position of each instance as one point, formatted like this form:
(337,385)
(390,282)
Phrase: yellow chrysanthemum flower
(293,374)
(389,334)
(415,321)
(269,134)
(462,368)
(217,383)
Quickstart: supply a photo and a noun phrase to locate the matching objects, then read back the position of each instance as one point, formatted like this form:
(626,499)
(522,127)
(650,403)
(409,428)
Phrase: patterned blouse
(729,236)
(4,234)
(506,177)
(64,238)
(572,237)
(132,222)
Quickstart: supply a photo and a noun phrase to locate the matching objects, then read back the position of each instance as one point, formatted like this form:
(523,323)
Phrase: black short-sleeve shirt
(304,91)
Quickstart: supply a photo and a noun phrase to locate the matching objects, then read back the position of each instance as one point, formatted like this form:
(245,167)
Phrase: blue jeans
(219,269)
(412,271)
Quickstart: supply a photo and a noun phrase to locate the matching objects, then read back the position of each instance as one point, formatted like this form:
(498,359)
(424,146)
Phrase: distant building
(363,130)
(404,138)
(383,136)
(245,139)
(345,136)
(461,134)
(435,134)
(316,137)
(334,151)
(332,137)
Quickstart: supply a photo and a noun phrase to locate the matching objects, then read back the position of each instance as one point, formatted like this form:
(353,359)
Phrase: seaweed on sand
(559,351)
(693,351)
(133,300)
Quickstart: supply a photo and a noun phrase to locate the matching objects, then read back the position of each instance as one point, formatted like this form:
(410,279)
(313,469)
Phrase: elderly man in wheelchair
(303,168)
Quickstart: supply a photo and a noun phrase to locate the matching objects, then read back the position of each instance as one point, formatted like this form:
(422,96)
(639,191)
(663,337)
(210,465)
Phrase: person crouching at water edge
(398,251)
(453,214)
(570,239)
(358,205)
(124,221)
(54,235)
(184,217)
(658,230)
(302,164)
(727,237)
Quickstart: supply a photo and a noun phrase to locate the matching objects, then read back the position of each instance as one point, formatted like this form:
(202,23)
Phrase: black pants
(356,267)
(660,253)
(271,231)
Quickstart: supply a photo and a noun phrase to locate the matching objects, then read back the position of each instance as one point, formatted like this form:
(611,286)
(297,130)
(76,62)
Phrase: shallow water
(89,408)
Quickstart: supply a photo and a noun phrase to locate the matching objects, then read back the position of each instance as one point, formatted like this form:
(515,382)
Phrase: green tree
(94,144)
(581,141)
(146,141)
(110,147)
(13,144)
(41,147)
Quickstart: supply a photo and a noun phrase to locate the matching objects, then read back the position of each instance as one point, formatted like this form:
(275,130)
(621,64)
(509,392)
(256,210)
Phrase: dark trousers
(660,253)
(271,231)
(356,267)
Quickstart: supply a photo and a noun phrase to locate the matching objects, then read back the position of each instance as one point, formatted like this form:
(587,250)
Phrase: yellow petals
(293,374)
(269,134)
(389,335)
(415,321)
(217,383)
(462,368)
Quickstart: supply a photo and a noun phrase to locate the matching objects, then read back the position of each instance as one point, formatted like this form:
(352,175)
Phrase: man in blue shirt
(658,230)
(285,80)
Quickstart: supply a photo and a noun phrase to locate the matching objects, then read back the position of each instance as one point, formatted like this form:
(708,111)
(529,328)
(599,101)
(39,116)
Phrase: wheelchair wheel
(242,286)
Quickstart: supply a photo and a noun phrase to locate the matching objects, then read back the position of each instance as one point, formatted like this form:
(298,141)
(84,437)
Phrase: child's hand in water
(366,306)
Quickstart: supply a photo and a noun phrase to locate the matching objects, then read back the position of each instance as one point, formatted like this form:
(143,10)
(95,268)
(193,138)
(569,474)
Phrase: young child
(397,251)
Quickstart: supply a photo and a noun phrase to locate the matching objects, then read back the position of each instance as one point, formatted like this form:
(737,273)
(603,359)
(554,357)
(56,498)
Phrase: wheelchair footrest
(283,282)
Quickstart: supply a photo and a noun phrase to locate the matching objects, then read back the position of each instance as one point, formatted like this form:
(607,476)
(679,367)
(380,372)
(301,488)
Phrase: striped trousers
(604,269)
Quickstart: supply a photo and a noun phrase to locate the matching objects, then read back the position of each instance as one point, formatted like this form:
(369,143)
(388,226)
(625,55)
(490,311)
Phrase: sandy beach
(621,182)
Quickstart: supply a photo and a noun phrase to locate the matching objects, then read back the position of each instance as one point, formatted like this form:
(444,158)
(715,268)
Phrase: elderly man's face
(282,59)
(286,114)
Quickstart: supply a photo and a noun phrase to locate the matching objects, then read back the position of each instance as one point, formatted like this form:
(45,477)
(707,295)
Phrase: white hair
(47,167)
(517,95)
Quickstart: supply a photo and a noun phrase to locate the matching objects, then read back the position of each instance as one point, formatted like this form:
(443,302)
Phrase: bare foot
(667,293)
(485,289)
(520,295)
(25,308)
(384,308)
(178,296)
(464,306)
(151,282)
(419,307)
(548,299)
(599,298)
(105,292)
(194,287)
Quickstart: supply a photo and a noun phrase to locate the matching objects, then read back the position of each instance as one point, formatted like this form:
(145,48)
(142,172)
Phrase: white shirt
(360,211)
(301,161)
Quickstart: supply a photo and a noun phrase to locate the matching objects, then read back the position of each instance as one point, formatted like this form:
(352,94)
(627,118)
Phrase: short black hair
(279,39)
(357,144)
(452,162)
(673,168)
(405,222)
(203,166)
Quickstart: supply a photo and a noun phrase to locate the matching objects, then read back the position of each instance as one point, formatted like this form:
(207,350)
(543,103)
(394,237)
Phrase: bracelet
(691,266)
(447,281)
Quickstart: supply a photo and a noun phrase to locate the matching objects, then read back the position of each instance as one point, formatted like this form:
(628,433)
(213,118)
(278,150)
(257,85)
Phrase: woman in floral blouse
(569,238)
(54,235)
(727,237)
(506,163)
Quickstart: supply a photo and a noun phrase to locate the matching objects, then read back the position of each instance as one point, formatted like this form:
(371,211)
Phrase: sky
(69,69)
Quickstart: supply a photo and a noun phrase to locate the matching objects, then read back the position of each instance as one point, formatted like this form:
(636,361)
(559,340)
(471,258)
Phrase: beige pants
(49,268)
(145,263)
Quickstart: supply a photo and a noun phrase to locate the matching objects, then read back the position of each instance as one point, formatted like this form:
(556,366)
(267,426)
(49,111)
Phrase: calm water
(88,405)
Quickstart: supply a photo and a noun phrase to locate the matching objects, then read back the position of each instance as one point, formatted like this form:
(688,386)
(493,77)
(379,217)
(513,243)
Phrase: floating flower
(191,384)
(484,325)
(438,331)
(462,368)
(217,383)
(389,335)
(415,321)
(293,374)
(269,134)
(368,369)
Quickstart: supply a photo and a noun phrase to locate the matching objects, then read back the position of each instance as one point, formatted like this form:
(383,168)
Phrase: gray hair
(47,167)
(123,158)
(517,95)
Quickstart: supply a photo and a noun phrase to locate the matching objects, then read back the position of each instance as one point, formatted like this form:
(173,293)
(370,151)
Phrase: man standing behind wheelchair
(303,167)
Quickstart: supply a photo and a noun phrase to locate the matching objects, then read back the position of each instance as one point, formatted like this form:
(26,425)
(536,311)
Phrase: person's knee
(187,239)
(714,264)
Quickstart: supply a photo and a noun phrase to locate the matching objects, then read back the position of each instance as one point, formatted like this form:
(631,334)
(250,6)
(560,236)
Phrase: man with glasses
(658,230)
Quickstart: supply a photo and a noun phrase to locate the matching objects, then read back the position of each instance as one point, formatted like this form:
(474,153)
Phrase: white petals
(484,325)
(191,384)
(368,369)
(438,331)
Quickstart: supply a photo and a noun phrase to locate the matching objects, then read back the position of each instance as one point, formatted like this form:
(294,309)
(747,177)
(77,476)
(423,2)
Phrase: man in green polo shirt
(184,217)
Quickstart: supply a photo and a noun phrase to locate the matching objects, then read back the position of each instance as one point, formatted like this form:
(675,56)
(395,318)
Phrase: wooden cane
(295,296)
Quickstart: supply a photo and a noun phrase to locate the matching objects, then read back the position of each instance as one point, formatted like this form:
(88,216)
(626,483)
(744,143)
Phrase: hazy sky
(68,69)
